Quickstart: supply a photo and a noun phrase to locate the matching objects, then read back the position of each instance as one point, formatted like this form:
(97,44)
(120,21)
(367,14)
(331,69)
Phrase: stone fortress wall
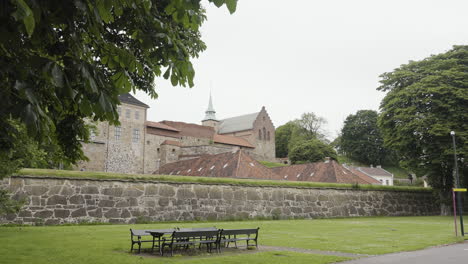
(59,200)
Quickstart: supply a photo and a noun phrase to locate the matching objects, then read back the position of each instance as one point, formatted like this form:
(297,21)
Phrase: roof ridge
(238,116)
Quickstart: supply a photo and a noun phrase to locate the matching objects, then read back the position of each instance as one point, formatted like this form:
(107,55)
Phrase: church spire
(210,113)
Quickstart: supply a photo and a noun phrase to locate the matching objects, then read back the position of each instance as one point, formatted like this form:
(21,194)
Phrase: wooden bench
(234,235)
(140,234)
(188,238)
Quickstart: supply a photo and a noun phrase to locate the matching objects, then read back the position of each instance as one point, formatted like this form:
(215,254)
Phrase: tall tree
(296,132)
(62,62)
(426,100)
(312,125)
(361,139)
(283,136)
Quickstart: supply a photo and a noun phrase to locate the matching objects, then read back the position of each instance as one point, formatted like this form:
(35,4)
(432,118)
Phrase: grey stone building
(142,146)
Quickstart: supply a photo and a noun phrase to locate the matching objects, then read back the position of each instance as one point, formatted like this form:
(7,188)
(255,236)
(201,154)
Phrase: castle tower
(210,116)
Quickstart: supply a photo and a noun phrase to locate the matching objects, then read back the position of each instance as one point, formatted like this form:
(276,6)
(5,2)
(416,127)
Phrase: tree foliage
(283,136)
(426,100)
(312,126)
(361,139)
(300,134)
(312,150)
(62,62)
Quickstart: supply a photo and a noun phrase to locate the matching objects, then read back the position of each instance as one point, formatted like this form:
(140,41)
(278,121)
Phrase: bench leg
(139,247)
(131,248)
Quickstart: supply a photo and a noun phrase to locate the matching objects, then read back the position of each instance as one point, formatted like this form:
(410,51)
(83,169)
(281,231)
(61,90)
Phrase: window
(136,135)
(260,134)
(137,115)
(268,135)
(117,132)
(264,134)
(387,182)
(127,113)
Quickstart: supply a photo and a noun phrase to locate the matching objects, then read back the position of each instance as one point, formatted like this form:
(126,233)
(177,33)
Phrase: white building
(385,177)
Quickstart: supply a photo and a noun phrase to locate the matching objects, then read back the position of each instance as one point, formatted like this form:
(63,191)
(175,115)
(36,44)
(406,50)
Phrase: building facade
(142,146)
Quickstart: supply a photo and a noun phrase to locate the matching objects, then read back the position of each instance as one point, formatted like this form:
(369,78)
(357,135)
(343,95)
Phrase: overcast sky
(307,56)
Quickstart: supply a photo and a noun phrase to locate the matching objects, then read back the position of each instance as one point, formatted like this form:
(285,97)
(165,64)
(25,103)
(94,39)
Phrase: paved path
(451,254)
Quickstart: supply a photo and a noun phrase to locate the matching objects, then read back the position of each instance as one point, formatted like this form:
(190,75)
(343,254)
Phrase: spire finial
(210,113)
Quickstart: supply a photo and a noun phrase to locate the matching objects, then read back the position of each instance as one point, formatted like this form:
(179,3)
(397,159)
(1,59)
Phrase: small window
(127,113)
(157,149)
(137,115)
(173,150)
(263,118)
(136,135)
(117,132)
(387,182)
(264,134)
(260,134)
(268,135)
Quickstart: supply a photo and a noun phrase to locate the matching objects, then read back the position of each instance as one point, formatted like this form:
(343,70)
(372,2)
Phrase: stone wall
(59,200)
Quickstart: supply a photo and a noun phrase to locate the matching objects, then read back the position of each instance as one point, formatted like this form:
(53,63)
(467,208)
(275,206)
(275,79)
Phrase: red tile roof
(231,165)
(229,140)
(191,130)
(160,126)
(330,171)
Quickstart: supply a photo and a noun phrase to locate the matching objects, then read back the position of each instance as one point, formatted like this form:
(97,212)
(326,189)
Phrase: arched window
(268,135)
(264,134)
(260,134)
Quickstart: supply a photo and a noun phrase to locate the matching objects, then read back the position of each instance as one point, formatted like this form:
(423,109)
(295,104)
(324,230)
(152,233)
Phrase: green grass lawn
(110,243)
(270,164)
(207,180)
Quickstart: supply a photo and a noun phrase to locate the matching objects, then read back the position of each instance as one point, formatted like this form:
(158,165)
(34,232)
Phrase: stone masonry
(59,200)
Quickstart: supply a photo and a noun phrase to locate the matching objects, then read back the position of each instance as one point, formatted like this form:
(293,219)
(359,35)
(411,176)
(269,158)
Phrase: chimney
(379,166)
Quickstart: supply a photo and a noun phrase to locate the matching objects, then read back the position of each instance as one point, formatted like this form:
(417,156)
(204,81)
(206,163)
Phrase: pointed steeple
(210,113)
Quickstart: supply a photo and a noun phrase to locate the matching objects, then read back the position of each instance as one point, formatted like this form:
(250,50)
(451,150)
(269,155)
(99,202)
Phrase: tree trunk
(445,209)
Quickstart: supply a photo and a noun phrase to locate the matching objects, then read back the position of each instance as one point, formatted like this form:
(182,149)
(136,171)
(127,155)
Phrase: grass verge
(206,180)
(270,164)
(110,243)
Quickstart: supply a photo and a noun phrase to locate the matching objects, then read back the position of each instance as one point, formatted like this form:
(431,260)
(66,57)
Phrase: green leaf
(174,80)
(57,76)
(147,5)
(218,3)
(25,13)
(104,9)
(231,5)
